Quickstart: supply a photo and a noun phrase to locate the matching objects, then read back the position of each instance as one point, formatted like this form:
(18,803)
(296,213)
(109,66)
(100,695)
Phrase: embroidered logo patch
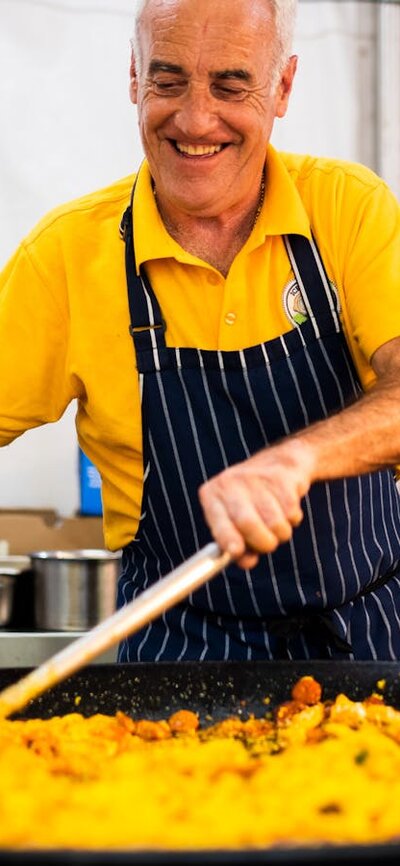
(293,303)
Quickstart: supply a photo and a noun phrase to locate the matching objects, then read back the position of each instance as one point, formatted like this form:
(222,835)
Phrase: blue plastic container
(90,486)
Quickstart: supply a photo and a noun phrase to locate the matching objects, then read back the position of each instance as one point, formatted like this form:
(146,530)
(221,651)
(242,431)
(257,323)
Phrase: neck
(214,239)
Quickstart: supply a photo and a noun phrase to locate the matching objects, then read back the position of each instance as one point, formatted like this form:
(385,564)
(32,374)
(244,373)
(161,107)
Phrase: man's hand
(254,506)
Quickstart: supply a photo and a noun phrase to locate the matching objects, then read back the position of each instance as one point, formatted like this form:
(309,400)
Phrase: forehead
(206,31)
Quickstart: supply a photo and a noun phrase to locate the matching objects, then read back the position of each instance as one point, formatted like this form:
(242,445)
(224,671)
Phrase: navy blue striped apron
(333,590)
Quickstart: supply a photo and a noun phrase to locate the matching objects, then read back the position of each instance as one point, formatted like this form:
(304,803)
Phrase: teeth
(199,149)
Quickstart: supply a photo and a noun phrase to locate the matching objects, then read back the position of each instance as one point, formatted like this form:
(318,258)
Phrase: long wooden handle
(151,603)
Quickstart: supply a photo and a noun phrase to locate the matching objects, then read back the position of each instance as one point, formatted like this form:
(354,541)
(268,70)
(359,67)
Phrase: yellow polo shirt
(64,310)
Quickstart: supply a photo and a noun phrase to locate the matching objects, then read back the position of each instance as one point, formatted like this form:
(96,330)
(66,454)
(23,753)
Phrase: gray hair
(284,12)
(285,19)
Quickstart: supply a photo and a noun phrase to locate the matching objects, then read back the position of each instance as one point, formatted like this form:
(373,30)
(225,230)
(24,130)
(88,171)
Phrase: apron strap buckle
(125,225)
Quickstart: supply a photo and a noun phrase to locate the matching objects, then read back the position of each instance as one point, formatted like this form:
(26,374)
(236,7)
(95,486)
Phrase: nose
(196,116)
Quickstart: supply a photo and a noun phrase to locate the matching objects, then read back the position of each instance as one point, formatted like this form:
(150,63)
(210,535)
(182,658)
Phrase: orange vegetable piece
(307,691)
(184,721)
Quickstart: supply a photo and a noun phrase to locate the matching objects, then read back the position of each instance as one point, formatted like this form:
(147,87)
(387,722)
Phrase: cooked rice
(313,772)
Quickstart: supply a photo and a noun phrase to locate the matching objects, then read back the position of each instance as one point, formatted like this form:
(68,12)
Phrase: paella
(309,771)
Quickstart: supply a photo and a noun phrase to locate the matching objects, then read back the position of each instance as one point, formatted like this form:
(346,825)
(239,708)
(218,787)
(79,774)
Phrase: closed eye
(228,92)
(168,87)
(231,84)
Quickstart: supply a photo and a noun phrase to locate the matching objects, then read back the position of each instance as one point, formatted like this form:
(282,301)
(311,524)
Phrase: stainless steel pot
(10,569)
(74,590)
(7,585)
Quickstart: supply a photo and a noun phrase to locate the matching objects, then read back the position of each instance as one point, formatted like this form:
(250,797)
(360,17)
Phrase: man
(261,296)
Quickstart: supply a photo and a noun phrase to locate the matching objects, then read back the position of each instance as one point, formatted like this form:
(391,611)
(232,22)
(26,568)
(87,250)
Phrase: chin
(206,204)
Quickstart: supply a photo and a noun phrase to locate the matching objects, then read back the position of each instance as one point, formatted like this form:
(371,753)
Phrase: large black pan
(212,689)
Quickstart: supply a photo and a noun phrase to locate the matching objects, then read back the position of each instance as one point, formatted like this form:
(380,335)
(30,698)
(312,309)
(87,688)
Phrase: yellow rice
(313,773)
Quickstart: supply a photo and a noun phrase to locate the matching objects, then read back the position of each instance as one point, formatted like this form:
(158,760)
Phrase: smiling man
(207,98)
(228,320)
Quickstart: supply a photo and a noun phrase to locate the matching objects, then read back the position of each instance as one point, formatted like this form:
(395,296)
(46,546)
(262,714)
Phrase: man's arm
(254,505)
(35,387)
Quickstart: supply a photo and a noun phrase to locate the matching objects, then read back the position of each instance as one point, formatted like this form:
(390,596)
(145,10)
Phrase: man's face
(206,100)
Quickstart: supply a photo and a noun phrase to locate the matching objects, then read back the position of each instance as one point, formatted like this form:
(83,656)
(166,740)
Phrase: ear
(285,85)
(133,82)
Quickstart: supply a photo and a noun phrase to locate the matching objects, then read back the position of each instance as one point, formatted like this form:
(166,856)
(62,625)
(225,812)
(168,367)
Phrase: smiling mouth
(190,150)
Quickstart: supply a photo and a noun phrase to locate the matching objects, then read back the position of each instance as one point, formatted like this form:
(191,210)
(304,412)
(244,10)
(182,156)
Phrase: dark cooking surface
(349,856)
(217,690)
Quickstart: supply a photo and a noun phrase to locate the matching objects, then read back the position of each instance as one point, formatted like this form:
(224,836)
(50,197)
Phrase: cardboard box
(24,532)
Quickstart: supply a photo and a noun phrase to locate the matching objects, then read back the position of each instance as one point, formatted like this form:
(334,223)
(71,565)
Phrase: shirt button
(230,318)
(213,278)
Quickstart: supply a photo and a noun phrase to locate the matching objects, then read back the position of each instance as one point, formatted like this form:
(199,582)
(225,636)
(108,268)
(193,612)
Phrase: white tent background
(67,127)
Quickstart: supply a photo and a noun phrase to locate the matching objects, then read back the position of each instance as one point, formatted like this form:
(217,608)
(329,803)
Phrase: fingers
(248,517)
(254,506)
(225,532)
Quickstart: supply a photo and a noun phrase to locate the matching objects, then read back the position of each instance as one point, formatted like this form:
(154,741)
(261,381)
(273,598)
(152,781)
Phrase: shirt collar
(151,238)
(282,213)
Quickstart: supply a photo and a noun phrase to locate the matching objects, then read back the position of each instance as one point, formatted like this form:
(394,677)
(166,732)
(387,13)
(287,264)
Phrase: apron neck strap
(147,326)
